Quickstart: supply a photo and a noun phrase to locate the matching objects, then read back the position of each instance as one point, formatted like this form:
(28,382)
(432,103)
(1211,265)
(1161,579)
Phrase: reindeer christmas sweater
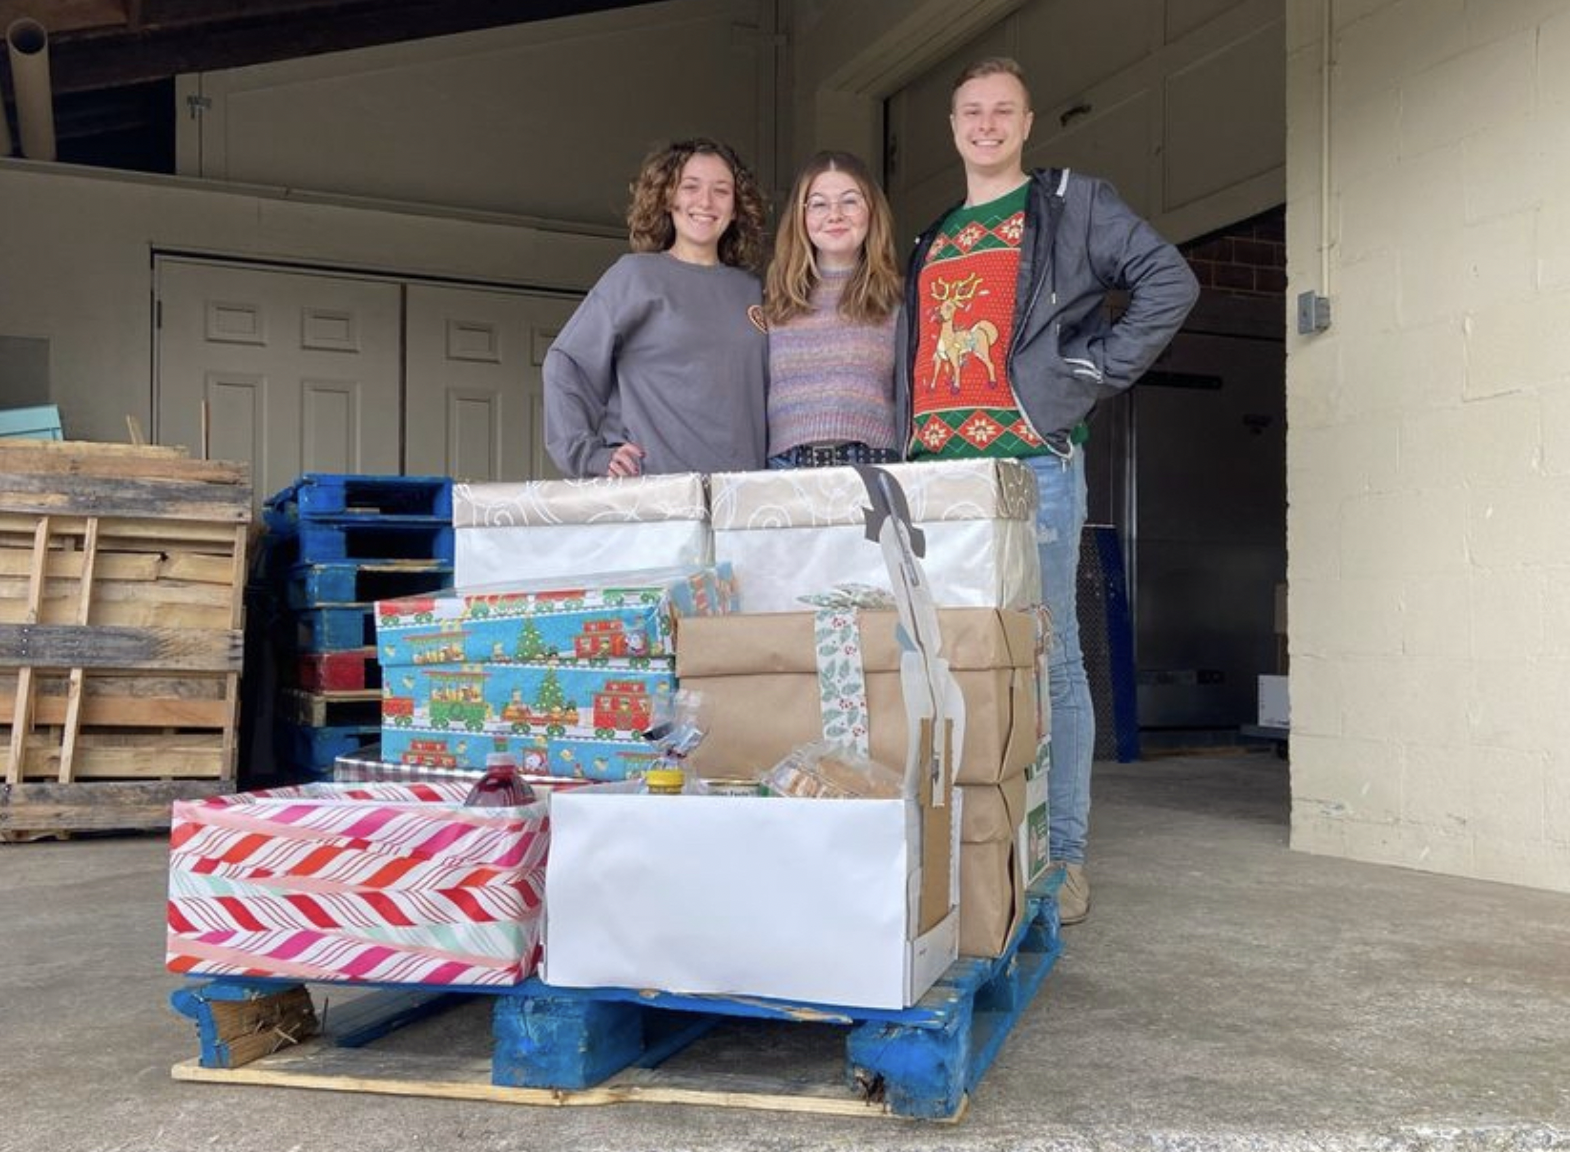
(962,401)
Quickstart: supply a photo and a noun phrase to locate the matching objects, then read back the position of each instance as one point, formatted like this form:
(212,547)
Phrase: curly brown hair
(649,224)
(874,289)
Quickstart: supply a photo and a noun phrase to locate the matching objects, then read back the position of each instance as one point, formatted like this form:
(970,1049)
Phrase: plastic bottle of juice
(500,786)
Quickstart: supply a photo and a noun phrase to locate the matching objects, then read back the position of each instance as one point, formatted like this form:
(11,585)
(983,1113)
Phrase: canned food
(733,787)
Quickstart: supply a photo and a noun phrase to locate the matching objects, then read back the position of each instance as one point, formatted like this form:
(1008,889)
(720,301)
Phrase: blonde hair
(875,285)
(991,66)
(649,226)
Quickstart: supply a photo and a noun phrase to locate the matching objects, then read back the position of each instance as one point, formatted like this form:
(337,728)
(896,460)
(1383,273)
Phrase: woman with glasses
(833,294)
(662,367)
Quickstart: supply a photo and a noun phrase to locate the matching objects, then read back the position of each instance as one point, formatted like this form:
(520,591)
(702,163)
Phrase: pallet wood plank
(62,646)
(126,711)
(16,528)
(319,1065)
(230,769)
(136,567)
(118,805)
(101,763)
(67,565)
(22,714)
(83,458)
(64,595)
(73,707)
(66,495)
(131,613)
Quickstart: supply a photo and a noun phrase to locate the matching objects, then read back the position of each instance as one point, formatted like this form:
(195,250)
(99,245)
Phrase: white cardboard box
(1274,703)
(796,899)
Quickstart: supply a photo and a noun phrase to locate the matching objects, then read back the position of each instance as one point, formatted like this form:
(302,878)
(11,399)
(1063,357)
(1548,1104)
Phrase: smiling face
(991,121)
(702,207)
(837,217)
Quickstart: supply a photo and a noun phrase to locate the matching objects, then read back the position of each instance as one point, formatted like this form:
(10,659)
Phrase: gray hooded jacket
(1080,243)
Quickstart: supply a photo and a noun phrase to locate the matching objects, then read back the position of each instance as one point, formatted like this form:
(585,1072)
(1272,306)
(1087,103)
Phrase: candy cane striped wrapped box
(384,882)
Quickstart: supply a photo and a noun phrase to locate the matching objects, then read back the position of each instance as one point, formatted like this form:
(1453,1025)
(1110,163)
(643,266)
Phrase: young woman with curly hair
(833,297)
(663,366)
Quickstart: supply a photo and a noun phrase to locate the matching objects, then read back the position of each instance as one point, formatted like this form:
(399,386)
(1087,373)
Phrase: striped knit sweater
(831,381)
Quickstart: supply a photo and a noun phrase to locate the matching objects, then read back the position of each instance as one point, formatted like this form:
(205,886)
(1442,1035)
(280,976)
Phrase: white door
(475,394)
(291,371)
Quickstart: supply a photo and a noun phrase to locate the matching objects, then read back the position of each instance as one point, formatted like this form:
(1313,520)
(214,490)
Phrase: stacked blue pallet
(334,545)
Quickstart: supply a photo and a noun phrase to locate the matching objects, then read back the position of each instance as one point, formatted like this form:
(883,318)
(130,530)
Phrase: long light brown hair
(649,224)
(875,285)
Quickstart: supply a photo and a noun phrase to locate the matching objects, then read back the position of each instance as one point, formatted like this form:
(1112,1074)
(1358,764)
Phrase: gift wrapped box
(622,615)
(773,681)
(563,528)
(563,718)
(993,867)
(800,531)
(393,883)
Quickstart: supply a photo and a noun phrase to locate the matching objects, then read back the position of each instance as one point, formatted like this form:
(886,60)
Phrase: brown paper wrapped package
(991,877)
(758,675)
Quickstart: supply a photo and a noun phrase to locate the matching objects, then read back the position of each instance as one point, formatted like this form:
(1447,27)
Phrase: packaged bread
(830,771)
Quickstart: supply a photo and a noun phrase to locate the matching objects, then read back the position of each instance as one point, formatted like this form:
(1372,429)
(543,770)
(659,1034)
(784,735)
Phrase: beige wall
(549,118)
(77,257)
(1429,436)
(478,157)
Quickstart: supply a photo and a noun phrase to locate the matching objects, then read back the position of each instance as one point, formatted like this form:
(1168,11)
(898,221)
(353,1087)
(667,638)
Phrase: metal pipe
(28,44)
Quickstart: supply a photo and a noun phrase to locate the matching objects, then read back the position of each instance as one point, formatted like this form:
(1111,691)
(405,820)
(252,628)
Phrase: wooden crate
(122,574)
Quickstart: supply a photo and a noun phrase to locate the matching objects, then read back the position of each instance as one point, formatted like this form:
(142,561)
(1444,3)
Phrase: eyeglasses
(850,204)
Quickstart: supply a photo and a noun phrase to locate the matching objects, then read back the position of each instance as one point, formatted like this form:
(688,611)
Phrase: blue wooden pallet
(363,582)
(311,751)
(336,629)
(318,494)
(557,1045)
(370,541)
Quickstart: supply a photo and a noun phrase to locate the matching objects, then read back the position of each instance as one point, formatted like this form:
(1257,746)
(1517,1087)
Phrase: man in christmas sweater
(1008,344)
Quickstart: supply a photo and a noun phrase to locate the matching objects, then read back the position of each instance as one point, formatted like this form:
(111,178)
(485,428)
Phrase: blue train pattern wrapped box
(565,718)
(628,615)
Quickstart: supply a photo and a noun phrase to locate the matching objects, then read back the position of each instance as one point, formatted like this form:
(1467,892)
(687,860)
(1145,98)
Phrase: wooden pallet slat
(22,714)
(120,805)
(116,461)
(64,646)
(67,495)
(73,707)
(332,585)
(318,494)
(348,671)
(332,709)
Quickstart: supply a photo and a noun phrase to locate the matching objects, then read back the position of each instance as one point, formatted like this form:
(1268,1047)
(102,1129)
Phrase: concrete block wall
(1428,446)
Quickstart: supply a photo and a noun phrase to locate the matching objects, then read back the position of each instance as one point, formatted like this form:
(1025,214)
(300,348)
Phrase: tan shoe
(1074,895)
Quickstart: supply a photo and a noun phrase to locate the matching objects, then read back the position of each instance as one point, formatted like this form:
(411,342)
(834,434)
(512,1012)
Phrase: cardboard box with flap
(759,679)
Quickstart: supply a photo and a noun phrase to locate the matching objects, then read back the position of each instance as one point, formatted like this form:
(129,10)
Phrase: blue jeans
(1060,521)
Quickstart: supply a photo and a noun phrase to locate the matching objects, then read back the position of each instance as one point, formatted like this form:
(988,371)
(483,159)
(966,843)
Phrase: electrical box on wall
(1313,313)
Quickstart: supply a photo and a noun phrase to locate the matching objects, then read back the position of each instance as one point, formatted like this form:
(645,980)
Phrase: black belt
(832,455)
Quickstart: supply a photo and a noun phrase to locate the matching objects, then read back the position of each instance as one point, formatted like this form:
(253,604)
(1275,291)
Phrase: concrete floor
(1225,994)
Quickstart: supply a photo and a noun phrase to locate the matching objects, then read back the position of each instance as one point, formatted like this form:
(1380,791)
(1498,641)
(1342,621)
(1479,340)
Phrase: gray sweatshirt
(661,354)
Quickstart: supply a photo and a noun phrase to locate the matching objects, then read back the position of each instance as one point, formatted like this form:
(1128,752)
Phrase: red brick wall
(1248,258)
